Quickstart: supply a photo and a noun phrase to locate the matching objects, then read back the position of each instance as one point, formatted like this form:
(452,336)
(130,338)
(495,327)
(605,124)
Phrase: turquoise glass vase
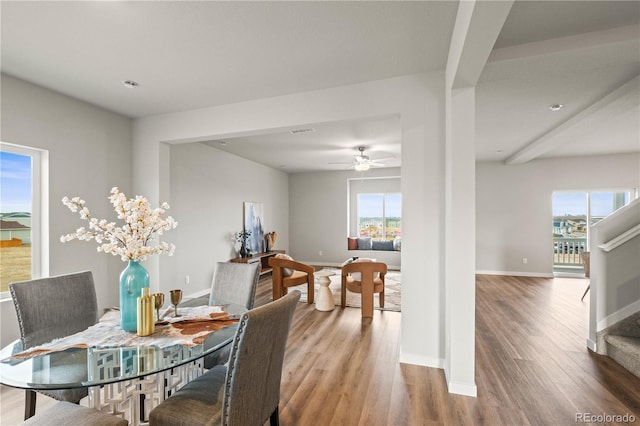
(132,280)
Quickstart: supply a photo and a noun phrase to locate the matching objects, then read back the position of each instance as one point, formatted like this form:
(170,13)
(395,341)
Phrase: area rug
(391,292)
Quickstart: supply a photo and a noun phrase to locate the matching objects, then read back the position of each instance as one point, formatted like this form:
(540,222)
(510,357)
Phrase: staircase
(614,327)
(621,342)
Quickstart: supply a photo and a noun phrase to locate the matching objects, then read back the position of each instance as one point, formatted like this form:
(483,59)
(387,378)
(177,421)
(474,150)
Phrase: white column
(460,249)
(476,29)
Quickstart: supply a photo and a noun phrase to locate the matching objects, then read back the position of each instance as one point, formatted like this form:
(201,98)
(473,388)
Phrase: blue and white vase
(132,280)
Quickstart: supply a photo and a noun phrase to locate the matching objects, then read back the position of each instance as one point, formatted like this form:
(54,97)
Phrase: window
(379,216)
(573,216)
(21,171)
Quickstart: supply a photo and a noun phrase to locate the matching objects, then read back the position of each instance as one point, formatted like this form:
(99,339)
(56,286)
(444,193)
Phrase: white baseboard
(421,360)
(461,388)
(609,320)
(516,274)
(466,389)
(592,345)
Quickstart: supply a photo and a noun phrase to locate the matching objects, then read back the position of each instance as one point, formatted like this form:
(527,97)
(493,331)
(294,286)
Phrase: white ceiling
(188,55)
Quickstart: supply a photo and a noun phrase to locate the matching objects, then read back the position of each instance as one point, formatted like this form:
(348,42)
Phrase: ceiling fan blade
(383,158)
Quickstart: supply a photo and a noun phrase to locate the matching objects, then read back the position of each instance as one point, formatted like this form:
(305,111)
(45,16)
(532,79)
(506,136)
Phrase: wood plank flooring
(532,365)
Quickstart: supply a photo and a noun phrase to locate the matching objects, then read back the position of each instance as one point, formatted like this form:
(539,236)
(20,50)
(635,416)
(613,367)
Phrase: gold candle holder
(146,305)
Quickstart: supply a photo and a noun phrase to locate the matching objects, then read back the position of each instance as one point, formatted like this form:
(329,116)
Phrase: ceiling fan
(362,162)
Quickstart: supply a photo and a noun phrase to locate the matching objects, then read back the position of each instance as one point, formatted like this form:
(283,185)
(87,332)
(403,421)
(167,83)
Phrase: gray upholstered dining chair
(234,283)
(68,414)
(247,391)
(50,308)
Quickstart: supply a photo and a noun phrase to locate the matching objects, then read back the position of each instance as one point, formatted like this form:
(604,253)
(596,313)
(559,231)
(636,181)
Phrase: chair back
(235,283)
(289,273)
(54,307)
(366,269)
(255,366)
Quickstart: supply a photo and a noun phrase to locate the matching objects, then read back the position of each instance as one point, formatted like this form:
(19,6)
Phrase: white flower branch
(130,241)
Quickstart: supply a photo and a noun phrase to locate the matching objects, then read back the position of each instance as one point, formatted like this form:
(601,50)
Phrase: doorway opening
(574,213)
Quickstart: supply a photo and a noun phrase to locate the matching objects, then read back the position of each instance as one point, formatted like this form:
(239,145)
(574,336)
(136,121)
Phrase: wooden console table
(263,258)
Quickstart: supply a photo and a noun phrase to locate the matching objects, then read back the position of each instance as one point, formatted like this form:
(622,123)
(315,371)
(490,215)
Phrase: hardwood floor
(532,366)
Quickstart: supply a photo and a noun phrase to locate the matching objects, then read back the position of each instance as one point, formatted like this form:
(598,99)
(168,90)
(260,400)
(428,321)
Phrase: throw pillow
(385,245)
(364,243)
(287,272)
(397,244)
(352,243)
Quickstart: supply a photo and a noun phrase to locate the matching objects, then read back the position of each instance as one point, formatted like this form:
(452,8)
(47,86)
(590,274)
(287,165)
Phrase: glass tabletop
(84,367)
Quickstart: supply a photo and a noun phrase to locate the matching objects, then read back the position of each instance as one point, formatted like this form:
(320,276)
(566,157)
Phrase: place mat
(190,329)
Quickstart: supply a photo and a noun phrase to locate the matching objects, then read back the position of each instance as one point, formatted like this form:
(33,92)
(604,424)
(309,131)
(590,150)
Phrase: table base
(134,399)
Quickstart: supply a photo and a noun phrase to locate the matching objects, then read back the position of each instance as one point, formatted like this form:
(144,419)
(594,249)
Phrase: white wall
(417,99)
(319,214)
(88,155)
(513,205)
(208,188)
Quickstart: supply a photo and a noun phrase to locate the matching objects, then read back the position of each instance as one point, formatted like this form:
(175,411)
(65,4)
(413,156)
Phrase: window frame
(39,207)
(384,211)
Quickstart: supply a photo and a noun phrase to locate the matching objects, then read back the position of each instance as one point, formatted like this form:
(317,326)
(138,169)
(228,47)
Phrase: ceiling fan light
(362,167)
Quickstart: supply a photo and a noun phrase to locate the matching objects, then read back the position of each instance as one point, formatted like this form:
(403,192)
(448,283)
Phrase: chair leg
(277,292)
(343,293)
(585,292)
(367,299)
(274,420)
(382,298)
(311,289)
(29,404)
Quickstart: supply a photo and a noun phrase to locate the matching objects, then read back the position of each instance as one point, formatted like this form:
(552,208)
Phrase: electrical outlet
(320,252)
(187,279)
(524,260)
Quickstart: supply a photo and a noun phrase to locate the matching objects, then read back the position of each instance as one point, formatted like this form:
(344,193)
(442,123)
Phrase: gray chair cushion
(199,402)
(246,392)
(68,414)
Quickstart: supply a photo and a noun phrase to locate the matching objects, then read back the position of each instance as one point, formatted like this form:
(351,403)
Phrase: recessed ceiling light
(500,151)
(556,107)
(130,84)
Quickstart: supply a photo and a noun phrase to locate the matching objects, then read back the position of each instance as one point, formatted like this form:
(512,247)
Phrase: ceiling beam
(563,44)
(478,24)
(549,140)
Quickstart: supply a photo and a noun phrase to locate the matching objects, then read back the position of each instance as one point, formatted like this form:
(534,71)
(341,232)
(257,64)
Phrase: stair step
(625,351)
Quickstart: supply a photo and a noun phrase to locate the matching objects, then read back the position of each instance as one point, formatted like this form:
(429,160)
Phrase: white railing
(567,251)
(621,239)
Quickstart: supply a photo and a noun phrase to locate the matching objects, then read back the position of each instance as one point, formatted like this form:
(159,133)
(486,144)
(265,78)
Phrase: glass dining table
(124,380)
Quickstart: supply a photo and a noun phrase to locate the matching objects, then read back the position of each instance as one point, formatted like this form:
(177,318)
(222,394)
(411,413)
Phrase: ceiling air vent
(296,131)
